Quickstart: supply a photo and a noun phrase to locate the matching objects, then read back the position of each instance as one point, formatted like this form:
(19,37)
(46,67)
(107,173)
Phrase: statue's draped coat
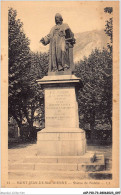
(59,48)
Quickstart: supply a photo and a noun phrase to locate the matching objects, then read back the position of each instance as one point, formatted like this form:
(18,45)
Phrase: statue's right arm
(45,40)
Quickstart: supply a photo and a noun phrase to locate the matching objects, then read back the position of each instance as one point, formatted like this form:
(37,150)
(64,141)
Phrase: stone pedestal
(62,135)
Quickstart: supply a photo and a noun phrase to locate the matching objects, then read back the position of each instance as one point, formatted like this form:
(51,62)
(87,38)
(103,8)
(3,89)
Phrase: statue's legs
(66,58)
(59,58)
(60,55)
(62,60)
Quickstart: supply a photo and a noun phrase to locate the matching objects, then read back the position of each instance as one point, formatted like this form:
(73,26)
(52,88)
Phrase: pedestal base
(61,142)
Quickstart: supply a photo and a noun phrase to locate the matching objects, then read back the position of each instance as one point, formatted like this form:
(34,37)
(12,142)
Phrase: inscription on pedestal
(60,107)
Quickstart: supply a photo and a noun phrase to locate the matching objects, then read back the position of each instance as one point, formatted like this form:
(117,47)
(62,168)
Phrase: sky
(38,18)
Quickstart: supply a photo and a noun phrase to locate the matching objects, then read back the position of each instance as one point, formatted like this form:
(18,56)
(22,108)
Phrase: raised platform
(60,167)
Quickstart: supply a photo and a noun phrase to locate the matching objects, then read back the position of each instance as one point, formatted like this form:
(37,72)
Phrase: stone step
(86,158)
(97,166)
(56,175)
(108,164)
(60,163)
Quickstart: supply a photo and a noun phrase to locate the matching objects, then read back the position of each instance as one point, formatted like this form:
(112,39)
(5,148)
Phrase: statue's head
(58,19)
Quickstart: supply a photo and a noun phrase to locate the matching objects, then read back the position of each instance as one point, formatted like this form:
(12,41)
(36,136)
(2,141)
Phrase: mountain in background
(85,43)
(88,41)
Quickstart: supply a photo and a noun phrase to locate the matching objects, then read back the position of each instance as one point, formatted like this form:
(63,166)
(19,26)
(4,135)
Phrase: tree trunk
(32,132)
(92,124)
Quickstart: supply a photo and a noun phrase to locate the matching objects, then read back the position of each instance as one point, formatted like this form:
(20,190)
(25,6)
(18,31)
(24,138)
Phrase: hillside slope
(88,41)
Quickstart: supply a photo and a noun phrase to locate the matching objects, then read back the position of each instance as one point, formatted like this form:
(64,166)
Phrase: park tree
(19,65)
(95,99)
(25,67)
(33,96)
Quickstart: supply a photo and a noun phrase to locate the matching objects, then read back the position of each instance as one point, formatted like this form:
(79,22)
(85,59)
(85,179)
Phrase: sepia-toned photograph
(60,94)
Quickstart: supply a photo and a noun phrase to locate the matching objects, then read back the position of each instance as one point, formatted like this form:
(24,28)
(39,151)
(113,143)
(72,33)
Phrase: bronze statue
(61,41)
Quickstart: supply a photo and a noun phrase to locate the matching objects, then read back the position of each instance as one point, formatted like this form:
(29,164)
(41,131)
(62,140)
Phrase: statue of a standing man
(61,41)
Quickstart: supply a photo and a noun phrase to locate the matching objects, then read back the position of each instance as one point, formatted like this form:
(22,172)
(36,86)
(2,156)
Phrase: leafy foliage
(33,97)
(108,10)
(109,27)
(19,64)
(25,96)
(95,100)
